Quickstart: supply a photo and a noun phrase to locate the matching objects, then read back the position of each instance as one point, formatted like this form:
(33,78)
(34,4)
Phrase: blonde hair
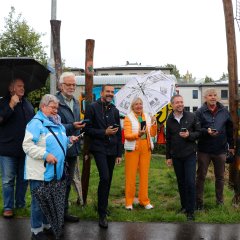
(136,99)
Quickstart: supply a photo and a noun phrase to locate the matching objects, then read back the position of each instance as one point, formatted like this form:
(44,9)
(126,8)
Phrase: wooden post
(55,26)
(234,173)
(89,72)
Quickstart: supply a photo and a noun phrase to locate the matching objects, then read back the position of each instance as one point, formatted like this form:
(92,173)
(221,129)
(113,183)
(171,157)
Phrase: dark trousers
(70,165)
(105,165)
(204,160)
(185,169)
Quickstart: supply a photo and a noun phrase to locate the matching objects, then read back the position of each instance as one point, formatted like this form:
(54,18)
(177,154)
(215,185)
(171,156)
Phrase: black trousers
(105,165)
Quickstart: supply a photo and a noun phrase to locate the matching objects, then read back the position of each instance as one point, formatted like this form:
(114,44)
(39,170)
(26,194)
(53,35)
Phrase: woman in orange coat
(138,145)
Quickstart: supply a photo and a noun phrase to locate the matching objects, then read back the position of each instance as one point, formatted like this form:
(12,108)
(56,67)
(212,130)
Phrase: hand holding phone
(84,121)
(115,125)
(213,130)
(143,125)
(183,130)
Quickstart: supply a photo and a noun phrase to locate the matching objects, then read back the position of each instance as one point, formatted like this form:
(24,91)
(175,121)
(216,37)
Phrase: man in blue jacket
(69,111)
(106,146)
(15,112)
(215,140)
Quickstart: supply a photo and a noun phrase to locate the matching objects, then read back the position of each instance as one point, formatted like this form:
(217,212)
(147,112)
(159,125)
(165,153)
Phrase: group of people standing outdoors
(29,147)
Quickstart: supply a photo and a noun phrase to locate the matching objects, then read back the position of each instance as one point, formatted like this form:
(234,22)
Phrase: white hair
(46,99)
(66,74)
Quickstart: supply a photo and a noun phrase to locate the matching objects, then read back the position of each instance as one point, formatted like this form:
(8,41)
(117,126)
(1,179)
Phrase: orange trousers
(137,160)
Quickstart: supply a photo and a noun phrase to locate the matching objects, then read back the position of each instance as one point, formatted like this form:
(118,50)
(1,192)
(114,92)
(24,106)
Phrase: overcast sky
(187,33)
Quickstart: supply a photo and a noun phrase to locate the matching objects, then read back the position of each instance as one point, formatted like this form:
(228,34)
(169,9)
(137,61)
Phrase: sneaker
(39,236)
(129,207)
(8,213)
(148,206)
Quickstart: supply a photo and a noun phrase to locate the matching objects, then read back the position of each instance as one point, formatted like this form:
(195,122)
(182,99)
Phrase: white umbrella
(155,89)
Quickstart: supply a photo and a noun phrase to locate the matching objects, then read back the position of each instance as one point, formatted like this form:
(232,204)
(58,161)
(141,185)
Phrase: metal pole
(53,85)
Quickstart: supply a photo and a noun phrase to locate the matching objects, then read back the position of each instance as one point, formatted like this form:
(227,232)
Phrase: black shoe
(103,223)
(71,218)
(190,217)
(39,236)
(181,210)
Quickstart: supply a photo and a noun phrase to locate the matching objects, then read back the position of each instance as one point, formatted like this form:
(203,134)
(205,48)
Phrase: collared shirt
(178,118)
(68,101)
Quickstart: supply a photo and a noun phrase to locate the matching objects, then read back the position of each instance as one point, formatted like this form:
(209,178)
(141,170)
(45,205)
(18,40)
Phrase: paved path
(19,229)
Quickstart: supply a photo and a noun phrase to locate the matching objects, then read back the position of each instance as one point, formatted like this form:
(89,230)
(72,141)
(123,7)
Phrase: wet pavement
(19,229)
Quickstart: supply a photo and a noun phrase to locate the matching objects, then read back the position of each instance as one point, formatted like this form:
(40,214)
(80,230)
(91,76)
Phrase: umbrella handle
(55,169)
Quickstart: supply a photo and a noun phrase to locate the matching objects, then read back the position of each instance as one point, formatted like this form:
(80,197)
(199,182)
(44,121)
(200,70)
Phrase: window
(118,74)
(187,109)
(104,74)
(224,94)
(195,94)
(194,109)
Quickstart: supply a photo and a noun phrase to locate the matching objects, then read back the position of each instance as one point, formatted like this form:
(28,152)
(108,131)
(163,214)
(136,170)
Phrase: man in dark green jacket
(215,140)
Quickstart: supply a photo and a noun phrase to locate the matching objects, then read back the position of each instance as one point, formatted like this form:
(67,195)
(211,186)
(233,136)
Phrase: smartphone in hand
(213,130)
(183,129)
(115,125)
(84,121)
(143,125)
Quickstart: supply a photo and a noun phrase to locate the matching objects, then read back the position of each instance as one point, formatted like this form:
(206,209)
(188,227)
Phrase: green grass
(162,192)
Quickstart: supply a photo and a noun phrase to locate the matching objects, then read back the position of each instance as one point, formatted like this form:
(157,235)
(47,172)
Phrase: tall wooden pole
(55,26)
(89,72)
(234,173)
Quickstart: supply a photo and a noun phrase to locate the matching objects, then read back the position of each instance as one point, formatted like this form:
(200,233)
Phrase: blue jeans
(13,169)
(38,219)
(185,169)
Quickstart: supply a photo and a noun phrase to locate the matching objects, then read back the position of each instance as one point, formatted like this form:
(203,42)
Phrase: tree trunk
(234,171)
(89,72)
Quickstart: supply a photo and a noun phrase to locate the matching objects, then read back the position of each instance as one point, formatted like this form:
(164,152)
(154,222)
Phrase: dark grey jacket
(67,119)
(176,146)
(12,126)
(222,122)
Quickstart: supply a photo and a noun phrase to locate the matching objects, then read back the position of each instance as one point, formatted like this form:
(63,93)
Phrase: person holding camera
(182,131)
(104,131)
(139,129)
(215,140)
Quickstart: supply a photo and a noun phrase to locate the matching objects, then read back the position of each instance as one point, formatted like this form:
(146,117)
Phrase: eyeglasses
(53,107)
(70,84)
